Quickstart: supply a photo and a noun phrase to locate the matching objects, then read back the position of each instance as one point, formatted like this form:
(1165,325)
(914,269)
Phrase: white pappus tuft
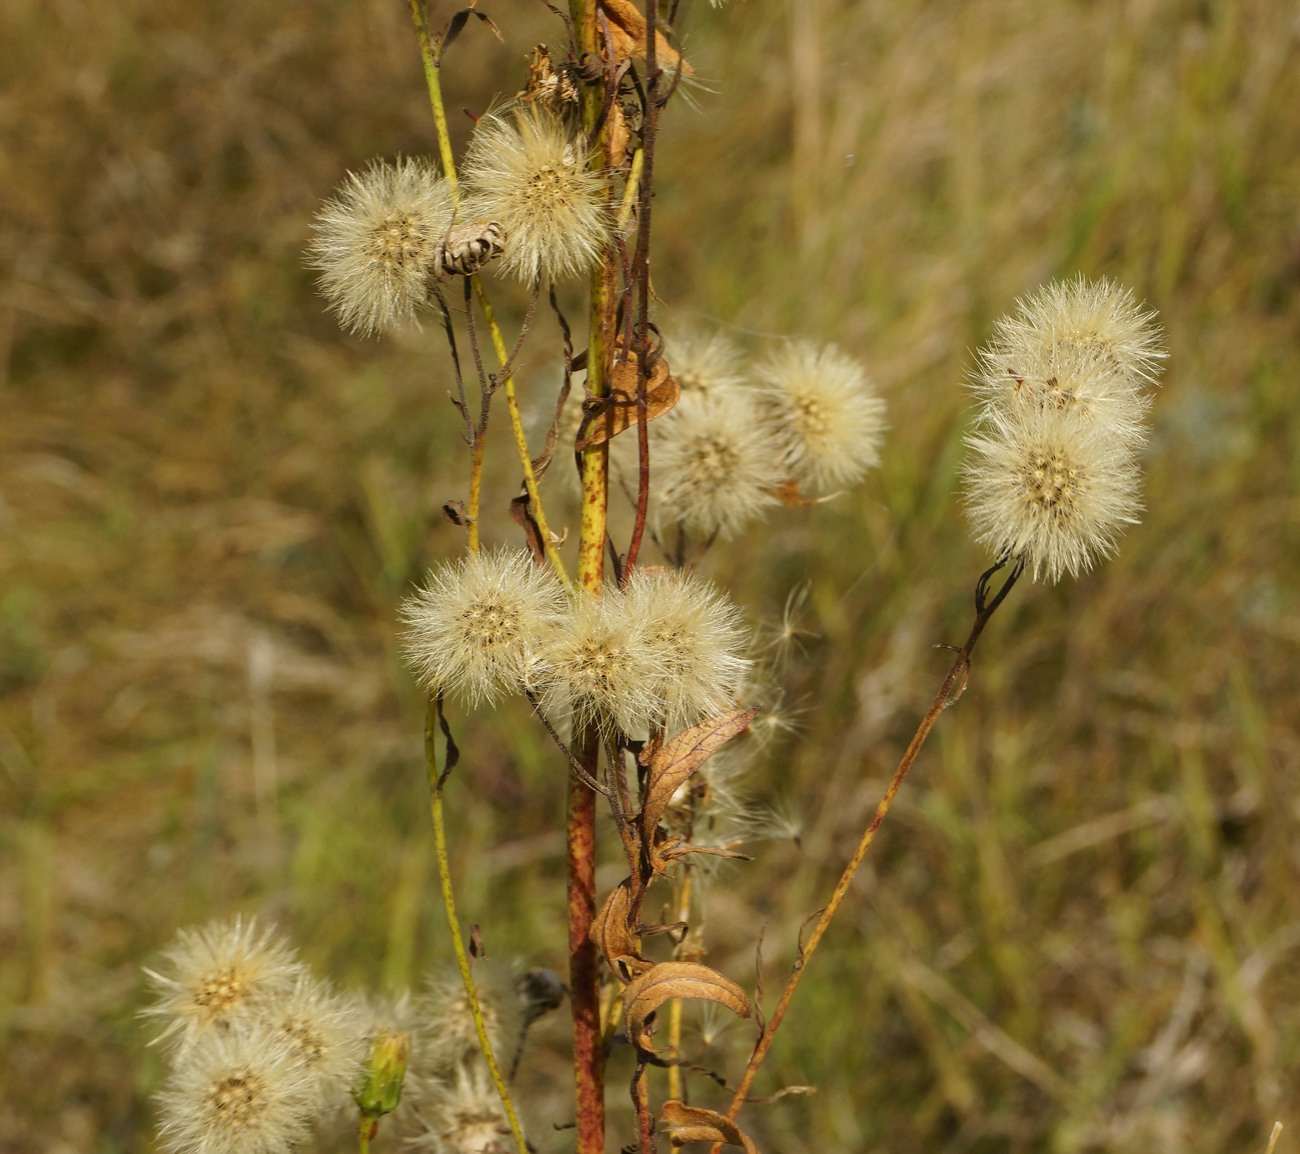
(379,241)
(478,626)
(527,170)
(824,412)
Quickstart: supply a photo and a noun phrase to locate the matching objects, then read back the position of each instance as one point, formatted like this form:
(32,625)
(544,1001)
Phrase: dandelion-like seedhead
(1075,346)
(478,626)
(214,975)
(243,1091)
(448,1034)
(465,1117)
(602,667)
(526,169)
(703,363)
(324,1032)
(823,411)
(699,643)
(378,242)
(1050,486)
(715,467)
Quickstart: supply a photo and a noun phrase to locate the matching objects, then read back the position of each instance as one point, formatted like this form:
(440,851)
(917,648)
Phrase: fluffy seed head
(466,1117)
(215,975)
(448,1034)
(323,1032)
(699,642)
(377,242)
(715,467)
(602,667)
(825,413)
(478,625)
(528,171)
(703,363)
(1051,486)
(241,1091)
(1079,346)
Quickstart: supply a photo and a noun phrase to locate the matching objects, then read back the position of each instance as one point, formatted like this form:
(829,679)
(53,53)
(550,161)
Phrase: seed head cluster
(527,170)
(289,1054)
(1053,471)
(379,241)
(667,651)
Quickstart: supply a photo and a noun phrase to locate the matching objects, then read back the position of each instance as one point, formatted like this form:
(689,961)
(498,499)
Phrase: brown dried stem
(951,689)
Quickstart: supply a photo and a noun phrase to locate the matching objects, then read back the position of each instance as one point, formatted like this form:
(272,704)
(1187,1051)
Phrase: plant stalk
(952,688)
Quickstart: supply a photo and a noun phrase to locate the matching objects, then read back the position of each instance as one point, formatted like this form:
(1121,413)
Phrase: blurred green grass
(1079,930)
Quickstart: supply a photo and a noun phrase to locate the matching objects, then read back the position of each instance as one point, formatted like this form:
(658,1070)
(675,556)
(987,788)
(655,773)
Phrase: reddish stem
(584,961)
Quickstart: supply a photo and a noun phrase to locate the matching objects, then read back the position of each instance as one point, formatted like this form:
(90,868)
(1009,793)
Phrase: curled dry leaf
(694,1124)
(627,32)
(613,938)
(677,980)
(673,762)
(617,411)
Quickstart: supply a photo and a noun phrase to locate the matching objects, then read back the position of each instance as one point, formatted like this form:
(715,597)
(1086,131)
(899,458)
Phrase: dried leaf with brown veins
(677,980)
(617,410)
(694,1124)
(673,762)
(627,30)
(614,939)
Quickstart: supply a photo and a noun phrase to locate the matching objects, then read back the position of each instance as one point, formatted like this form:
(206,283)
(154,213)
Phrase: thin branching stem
(433,720)
(951,689)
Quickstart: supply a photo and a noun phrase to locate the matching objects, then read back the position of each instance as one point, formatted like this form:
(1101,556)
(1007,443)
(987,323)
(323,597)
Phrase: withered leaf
(674,761)
(618,409)
(677,848)
(613,938)
(627,30)
(677,980)
(695,1124)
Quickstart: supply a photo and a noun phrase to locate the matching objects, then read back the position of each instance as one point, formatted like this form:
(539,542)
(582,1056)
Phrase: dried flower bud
(378,1089)
(825,413)
(378,242)
(240,1092)
(214,975)
(527,170)
(478,626)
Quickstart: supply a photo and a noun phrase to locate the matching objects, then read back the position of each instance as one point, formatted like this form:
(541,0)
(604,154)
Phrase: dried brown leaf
(618,409)
(612,936)
(695,1124)
(627,30)
(675,761)
(677,980)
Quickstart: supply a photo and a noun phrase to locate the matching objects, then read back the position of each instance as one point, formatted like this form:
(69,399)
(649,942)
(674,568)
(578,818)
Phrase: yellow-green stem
(630,192)
(675,1006)
(433,80)
(453,923)
(363,1134)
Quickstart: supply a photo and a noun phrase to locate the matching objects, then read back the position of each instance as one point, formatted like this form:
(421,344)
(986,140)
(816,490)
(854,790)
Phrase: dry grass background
(1081,930)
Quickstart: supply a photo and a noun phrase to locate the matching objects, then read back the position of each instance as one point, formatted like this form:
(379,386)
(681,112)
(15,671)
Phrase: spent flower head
(241,1091)
(602,666)
(698,639)
(465,1116)
(378,242)
(479,625)
(1051,487)
(715,467)
(323,1031)
(1075,345)
(526,168)
(824,412)
(447,1031)
(703,363)
(216,974)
